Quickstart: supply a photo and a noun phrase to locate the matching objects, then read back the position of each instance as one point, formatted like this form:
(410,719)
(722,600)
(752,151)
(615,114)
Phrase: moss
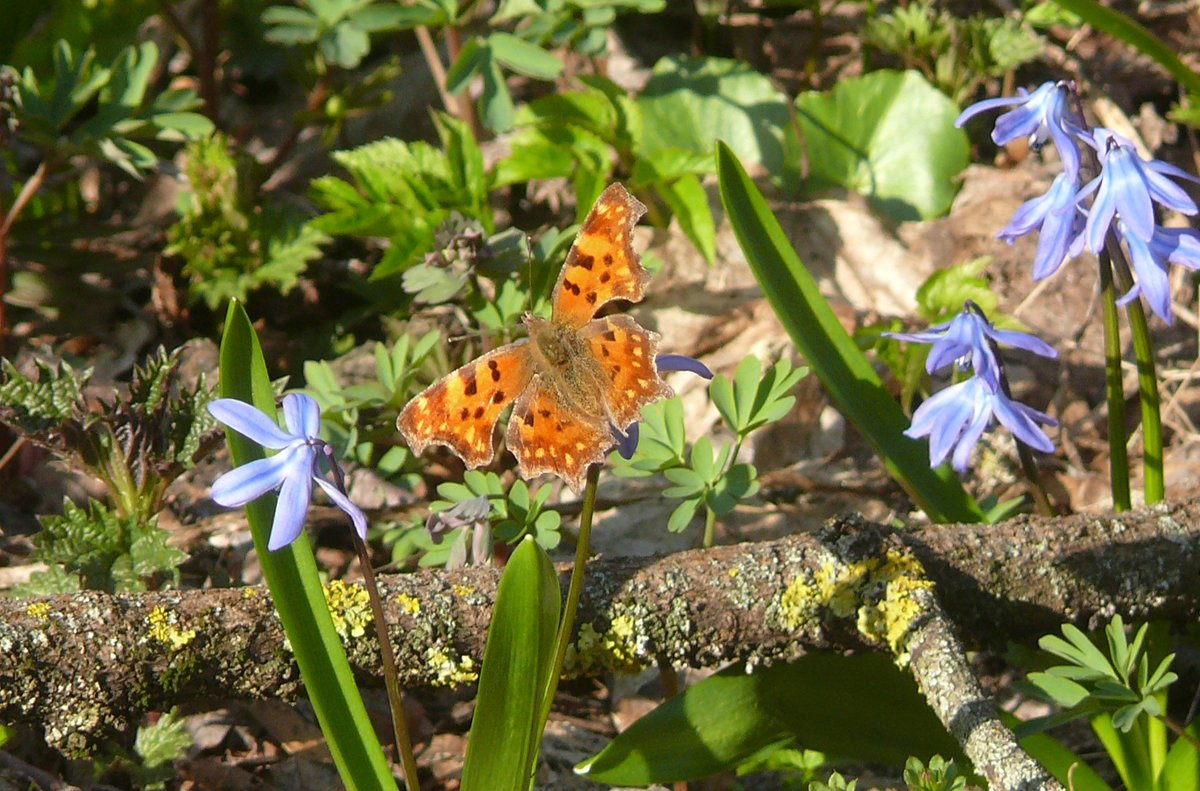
(164,627)
(350,608)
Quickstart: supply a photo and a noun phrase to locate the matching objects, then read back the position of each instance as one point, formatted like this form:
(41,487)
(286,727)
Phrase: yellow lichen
(249,592)
(462,590)
(350,607)
(733,572)
(450,672)
(39,610)
(877,593)
(410,604)
(164,627)
(619,648)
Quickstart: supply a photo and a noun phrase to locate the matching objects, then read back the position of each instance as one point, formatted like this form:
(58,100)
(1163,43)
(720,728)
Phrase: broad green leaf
(516,661)
(683,514)
(295,585)
(888,135)
(523,57)
(859,707)
(1065,765)
(843,369)
(1182,766)
(689,203)
(691,103)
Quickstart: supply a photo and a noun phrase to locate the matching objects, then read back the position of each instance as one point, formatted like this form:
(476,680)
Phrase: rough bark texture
(84,666)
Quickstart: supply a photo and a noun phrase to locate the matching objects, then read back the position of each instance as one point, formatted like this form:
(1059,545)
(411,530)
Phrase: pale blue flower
(1129,186)
(291,471)
(1149,259)
(968,338)
(1058,219)
(1045,114)
(955,419)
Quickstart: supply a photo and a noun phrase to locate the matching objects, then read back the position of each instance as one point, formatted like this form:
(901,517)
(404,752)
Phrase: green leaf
(683,514)
(1066,766)
(691,103)
(889,136)
(843,369)
(523,57)
(496,102)
(689,203)
(472,59)
(295,585)
(1182,765)
(516,662)
(158,746)
(1062,691)
(858,707)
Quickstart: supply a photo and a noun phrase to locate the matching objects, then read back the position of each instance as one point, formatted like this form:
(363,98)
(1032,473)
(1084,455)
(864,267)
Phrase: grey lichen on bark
(84,667)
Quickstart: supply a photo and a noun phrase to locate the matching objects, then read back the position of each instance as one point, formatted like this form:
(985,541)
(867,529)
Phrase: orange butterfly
(573,379)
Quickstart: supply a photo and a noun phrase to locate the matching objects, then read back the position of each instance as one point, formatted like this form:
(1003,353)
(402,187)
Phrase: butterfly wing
(626,352)
(547,434)
(601,265)
(460,410)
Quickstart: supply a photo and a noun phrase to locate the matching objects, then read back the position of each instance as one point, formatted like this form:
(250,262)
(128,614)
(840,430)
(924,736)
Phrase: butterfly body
(574,378)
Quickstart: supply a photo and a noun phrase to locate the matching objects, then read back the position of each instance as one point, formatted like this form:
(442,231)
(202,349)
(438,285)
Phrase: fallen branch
(85,666)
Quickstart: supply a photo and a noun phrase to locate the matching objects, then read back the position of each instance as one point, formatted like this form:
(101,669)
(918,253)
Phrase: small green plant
(512,515)
(136,443)
(230,243)
(939,775)
(1120,684)
(403,192)
(94,548)
(709,475)
(955,54)
(835,783)
(158,745)
(339,29)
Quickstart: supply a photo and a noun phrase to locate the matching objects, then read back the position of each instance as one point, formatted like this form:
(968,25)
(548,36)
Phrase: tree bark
(84,667)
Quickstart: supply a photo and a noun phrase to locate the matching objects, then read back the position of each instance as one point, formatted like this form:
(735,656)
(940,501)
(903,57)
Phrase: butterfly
(574,378)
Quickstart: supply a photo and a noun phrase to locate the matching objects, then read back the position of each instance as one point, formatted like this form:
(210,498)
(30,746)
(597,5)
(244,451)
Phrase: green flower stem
(391,677)
(1143,352)
(1118,459)
(1036,490)
(710,526)
(567,625)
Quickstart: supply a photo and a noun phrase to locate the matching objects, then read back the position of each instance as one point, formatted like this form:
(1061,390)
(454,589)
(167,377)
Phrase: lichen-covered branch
(85,666)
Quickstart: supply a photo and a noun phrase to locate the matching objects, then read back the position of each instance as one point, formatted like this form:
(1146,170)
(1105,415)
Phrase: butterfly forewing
(626,353)
(460,410)
(547,435)
(602,264)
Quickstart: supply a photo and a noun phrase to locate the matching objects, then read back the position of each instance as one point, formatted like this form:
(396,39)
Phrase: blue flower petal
(302,415)
(1022,421)
(988,104)
(627,440)
(249,422)
(243,484)
(292,506)
(1024,340)
(357,517)
(681,362)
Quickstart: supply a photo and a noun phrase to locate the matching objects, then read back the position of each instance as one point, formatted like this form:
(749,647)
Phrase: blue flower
(627,440)
(1043,115)
(968,337)
(1150,258)
(956,418)
(292,470)
(1128,186)
(1059,221)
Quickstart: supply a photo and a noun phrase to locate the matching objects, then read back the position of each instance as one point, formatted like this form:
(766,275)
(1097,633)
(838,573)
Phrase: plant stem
(434,62)
(1143,352)
(567,625)
(710,527)
(391,678)
(7,220)
(1118,461)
